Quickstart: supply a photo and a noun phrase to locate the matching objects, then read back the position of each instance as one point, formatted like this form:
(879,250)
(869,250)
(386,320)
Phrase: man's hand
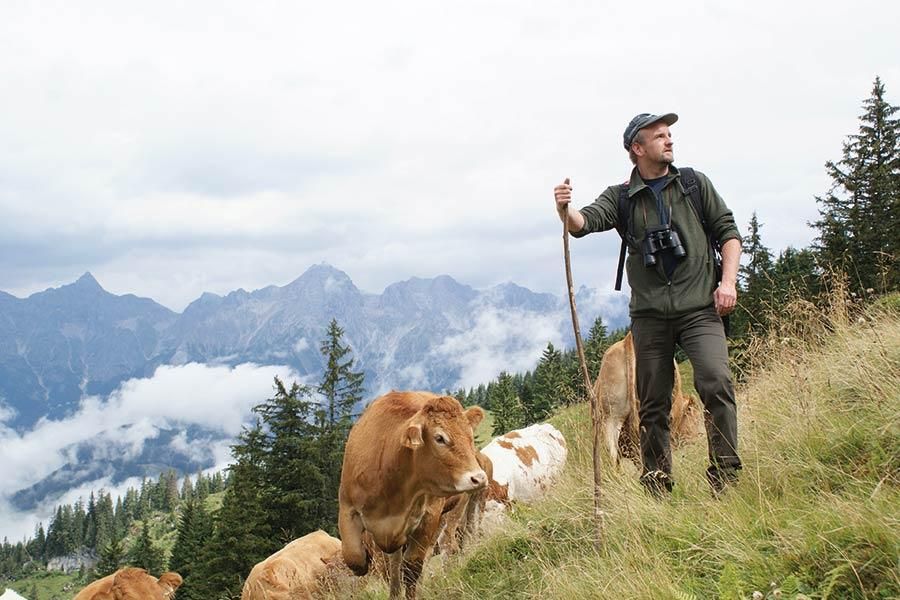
(725,298)
(563,195)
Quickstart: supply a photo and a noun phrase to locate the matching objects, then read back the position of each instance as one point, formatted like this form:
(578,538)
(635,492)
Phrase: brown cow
(615,390)
(407,452)
(132,583)
(294,571)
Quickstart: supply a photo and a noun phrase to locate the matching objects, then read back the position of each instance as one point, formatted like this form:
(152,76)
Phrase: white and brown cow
(615,390)
(407,452)
(526,461)
(294,572)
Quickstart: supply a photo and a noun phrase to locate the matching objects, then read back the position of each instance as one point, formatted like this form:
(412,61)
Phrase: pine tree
(201,489)
(195,530)
(549,383)
(242,535)
(187,489)
(111,557)
(755,280)
(860,216)
(39,548)
(595,346)
(795,274)
(508,411)
(144,553)
(291,460)
(107,525)
(342,389)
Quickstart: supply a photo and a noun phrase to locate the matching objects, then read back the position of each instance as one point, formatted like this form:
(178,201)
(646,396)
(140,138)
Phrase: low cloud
(500,341)
(216,398)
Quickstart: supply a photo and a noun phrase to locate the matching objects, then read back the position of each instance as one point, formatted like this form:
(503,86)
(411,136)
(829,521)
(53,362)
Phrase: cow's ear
(412,437)
(474,414)
(170,580)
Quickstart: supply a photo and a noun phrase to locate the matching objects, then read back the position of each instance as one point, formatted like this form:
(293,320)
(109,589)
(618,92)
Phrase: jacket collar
(636,184)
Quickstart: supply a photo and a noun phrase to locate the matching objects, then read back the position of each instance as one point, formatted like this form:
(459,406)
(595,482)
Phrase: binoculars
(657,238)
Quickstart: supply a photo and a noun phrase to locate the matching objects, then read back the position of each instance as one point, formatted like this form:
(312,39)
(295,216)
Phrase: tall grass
(816,513)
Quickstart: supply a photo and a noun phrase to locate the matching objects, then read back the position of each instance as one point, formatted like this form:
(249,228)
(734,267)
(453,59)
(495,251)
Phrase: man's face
(654,143)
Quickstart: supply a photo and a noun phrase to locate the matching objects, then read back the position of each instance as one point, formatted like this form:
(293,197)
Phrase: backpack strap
(623,226)
(692,188)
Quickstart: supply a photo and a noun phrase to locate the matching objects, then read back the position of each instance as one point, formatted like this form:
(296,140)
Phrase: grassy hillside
(815,515)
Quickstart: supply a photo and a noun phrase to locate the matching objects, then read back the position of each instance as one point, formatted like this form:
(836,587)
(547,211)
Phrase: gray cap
(645,120)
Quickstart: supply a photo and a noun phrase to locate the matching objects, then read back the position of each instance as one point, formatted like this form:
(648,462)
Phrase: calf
(616,393)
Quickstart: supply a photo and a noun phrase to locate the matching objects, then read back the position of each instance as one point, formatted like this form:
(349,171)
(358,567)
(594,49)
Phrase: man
(675,298)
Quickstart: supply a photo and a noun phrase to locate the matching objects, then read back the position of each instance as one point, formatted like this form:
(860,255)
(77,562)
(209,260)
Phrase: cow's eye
(440,439)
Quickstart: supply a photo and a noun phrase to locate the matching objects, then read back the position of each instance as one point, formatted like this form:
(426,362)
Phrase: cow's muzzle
(472,480)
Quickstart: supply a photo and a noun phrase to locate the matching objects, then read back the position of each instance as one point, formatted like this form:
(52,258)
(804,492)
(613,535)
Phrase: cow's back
(374,438)
(97,590)
(526,461)
(292,572)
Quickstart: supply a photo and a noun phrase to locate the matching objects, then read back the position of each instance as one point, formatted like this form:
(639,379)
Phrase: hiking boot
(658,483)
(721,478)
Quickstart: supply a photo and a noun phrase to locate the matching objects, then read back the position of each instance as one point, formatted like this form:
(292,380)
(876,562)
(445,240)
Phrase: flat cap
(645,120)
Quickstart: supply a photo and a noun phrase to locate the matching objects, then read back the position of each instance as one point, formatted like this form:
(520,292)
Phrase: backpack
(624,224)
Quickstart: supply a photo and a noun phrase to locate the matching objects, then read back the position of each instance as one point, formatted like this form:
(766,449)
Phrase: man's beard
(666,158)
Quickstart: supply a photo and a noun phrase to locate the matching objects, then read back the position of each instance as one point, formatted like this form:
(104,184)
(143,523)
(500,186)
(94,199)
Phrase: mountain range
(64,344)
(61,344)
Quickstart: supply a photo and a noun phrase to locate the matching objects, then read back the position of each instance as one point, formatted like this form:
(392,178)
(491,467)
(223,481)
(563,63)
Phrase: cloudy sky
(175,148)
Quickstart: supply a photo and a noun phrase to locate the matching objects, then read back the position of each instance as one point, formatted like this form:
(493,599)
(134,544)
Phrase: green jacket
(693,282)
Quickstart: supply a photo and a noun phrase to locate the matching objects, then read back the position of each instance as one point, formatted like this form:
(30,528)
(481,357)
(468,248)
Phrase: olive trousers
(702,337)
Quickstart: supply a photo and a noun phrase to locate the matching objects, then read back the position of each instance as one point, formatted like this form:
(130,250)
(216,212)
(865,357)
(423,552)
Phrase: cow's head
(136,584)
(687,418)
(440,436)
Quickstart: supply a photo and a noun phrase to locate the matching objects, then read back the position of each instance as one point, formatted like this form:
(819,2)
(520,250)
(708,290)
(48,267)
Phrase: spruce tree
(755,280)
(201,489)
(90,531)
(549,383)
(860,216)
(107,525)
(795,274)
(195,530)
(295,483)
(508,411)
(145,554)
(595,346)
(111,556)
(187,489)
(341,386)
(342,389)
(242,535)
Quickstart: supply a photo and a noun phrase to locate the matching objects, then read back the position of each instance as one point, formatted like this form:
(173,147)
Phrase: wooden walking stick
(588,385)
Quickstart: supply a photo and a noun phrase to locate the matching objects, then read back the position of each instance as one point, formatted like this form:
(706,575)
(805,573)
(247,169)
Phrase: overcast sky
(176,148)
